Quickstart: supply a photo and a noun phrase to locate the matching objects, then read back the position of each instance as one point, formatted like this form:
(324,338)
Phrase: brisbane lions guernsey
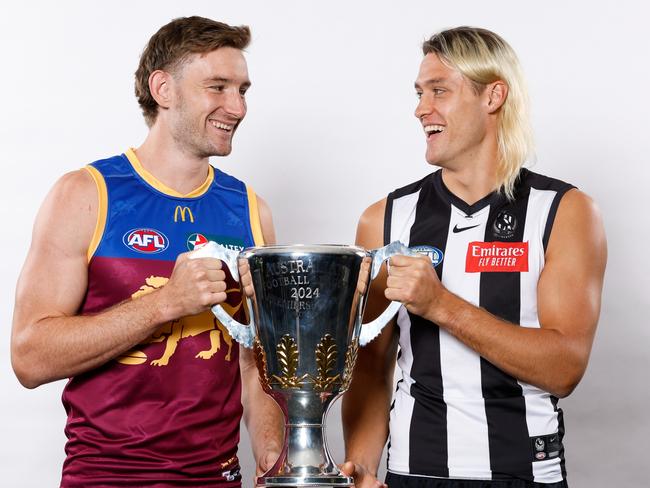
(455,415)
(167,412)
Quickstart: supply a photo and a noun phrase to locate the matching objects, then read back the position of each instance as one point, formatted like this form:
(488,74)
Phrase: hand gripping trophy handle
(372,329)
(244,334)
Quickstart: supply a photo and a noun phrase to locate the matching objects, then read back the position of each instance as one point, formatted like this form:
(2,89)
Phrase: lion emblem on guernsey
(172,332)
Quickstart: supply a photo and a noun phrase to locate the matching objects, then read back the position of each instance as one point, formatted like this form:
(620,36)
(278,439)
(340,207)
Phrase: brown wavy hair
(174,43)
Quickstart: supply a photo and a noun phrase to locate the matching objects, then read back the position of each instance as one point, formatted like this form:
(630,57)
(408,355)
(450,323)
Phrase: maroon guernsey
(167,412)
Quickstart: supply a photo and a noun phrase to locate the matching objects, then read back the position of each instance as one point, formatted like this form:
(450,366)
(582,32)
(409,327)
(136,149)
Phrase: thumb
(348,468)
(267,461)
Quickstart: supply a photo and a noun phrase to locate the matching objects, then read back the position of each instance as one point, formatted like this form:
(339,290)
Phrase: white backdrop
(330,130)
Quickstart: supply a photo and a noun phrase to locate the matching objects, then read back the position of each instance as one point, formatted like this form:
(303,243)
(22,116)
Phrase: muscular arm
(554,356)
(262,416)
(49,341)
(366,404)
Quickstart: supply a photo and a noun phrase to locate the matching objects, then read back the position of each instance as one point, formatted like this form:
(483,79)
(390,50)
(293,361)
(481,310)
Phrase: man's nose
(424,107)
(236,104)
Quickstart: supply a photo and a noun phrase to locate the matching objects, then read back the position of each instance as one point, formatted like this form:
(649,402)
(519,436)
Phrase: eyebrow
(432,81)
(219,79)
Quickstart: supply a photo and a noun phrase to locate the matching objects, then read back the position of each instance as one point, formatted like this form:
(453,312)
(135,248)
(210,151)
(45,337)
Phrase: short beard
(187,137)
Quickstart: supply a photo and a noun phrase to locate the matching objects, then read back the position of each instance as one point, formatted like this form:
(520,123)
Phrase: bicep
(570,286)
(370,235)
(54,277)
(266,221)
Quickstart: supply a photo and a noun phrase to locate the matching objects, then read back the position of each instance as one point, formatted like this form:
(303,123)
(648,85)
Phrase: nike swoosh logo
(457,229)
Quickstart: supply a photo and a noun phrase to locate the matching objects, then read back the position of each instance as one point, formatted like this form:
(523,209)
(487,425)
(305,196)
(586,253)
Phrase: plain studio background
(330,129)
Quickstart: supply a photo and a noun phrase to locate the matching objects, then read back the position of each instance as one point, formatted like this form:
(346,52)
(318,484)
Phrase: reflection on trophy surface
(306,329)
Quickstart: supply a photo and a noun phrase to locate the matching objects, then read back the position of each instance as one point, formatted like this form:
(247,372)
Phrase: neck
(473,176)
(171,164)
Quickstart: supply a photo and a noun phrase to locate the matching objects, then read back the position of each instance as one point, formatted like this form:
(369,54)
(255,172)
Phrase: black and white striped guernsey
(454,414)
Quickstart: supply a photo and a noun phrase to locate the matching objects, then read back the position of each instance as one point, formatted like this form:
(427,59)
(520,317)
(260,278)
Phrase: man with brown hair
(499,318)
(110,298)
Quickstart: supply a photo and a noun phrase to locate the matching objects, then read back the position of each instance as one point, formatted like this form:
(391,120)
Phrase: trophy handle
(244,334)
(372,329)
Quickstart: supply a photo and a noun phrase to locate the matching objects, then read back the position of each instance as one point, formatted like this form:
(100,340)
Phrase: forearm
(262,416)
(51,348)
(365,414)
(544,357)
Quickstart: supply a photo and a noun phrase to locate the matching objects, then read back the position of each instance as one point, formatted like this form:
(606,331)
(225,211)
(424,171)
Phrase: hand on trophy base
(362,477)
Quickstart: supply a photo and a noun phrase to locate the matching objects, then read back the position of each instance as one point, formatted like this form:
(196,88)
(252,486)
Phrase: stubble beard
(194,139)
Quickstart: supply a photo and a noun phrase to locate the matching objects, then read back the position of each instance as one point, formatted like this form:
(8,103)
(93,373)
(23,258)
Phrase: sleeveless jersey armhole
(102,210)
(254,217)
(388,218)
(551,215)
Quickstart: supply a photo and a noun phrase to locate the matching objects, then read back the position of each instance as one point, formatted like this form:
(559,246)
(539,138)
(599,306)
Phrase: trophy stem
(305,459)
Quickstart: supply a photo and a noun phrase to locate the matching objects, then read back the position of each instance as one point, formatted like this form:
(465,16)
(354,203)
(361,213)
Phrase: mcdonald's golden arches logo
(184,212)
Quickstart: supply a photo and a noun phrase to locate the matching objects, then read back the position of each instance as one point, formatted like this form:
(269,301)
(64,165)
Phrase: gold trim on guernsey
(160,186)
(102,209)
(254,216)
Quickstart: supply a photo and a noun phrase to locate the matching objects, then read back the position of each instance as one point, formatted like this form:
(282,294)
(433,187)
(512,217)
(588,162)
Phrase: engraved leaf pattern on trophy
(350,360)
(326,355)
(288,360)
(260,360)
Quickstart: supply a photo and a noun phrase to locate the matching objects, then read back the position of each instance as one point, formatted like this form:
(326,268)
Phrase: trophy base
(307,481)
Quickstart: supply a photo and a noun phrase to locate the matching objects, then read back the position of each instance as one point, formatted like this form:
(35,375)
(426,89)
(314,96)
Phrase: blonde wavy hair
(483,57)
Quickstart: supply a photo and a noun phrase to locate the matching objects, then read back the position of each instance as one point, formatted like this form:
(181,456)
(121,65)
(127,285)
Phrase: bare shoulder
(578,225)
(76,186)
(577,205)
(69,213)
(263,206)
(266,221)
(370,230)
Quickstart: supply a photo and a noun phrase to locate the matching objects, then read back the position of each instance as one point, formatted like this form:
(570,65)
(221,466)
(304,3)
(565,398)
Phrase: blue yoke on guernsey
(167,412)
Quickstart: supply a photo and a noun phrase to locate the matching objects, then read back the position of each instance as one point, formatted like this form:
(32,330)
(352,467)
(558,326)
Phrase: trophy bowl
(306,328)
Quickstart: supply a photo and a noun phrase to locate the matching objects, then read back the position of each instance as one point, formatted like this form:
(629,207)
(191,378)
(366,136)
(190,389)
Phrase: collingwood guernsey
(455,415)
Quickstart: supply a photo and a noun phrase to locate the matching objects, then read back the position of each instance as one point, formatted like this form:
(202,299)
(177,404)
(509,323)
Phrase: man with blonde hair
(499,317)
(110,298)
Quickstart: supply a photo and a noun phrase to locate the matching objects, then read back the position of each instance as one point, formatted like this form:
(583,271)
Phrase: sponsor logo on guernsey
(196,241)
(457,229)
(147,241)
(433,253)
(183,212)
(200,239)
(496,257)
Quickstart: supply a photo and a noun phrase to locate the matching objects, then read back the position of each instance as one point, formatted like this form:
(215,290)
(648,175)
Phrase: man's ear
(160,87)
(496,94)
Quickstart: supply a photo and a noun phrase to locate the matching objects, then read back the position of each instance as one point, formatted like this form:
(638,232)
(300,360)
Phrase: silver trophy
(305,329)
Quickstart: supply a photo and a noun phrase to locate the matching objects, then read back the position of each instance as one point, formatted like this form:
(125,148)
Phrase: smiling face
(454,116)
(208,101)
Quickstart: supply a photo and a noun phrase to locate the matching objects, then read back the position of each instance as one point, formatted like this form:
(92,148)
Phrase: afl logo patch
(147,241)
(434,254)
(196,241)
